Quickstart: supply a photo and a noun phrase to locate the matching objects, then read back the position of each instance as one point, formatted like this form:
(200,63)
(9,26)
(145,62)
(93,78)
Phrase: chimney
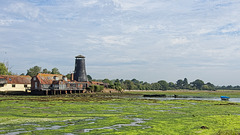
(72,76)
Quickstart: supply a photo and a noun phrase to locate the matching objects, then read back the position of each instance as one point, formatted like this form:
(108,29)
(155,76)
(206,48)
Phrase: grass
(111,114)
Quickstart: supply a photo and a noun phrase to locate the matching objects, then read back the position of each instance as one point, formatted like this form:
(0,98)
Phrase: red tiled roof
(96,83)
(47,78)
(15,79)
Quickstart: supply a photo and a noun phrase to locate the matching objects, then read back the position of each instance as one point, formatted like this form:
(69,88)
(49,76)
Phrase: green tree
(171,85)
(117,85)
(45,71)
(106,81)
(34,71)
(211,86)
(185,84)
(198,84)
(55,71)
(147,86)
(129,85)
(156,86)
(135,81)
(163,84)
(3,69)
(98,88)
(69,75)
(179,84)
(89,78)
(110,83)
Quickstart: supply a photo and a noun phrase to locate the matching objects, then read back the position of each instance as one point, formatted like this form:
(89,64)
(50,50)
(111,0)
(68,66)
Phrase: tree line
(133,84)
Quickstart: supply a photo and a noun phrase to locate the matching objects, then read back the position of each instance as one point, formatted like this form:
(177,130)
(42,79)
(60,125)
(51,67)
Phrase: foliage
(55,71)
(117,85)
(95,88)
(46,71)
(135,84)
(163,84)
(34,71)
(89,78)
(229,87)
(69,76)
(4,70)
(198,84)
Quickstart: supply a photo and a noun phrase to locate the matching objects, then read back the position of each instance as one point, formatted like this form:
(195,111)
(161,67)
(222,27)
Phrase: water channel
(191,98)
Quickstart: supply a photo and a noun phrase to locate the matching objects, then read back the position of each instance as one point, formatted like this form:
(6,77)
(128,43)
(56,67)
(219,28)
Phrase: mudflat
(115,113)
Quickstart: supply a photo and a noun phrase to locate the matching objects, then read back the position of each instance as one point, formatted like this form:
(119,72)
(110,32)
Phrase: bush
(96,88)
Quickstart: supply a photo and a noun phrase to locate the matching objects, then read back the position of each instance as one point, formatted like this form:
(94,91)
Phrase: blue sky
(149,40)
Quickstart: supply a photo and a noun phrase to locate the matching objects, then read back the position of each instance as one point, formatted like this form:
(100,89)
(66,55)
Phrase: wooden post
(65,91)
(46,92)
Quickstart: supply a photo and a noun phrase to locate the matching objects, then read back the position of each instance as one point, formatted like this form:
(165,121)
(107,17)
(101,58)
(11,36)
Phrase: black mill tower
(80,74)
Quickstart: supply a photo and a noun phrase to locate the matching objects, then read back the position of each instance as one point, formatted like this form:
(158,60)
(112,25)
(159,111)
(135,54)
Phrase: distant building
(99,83)
(55,84)
(14,83)
(43,82)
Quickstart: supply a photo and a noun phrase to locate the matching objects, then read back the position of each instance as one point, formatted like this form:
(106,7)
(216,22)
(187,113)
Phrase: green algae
(106,114)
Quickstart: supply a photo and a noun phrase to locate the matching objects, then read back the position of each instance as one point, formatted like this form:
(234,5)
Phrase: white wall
(18,87)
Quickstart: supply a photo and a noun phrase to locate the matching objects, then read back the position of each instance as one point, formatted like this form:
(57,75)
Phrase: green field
(118,114)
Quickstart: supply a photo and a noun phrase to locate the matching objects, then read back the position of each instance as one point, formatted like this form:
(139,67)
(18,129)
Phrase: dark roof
(80,56)
(16,79)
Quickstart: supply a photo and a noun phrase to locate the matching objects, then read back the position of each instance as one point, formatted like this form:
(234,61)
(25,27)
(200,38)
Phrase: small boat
(224,98)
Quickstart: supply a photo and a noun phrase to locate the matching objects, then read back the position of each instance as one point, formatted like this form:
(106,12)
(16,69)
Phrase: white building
(14,83)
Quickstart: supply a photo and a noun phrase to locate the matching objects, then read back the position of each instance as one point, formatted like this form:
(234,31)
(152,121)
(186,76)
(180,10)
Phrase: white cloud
(109,41)
(230,28)
(89,3)
(180,40)
(129,5)
(26,10)
(155,37)
(9,22)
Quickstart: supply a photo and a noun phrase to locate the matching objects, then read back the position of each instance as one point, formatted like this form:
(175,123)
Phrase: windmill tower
(80,74)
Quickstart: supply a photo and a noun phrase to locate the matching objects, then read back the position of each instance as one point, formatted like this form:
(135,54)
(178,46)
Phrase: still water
(191,98)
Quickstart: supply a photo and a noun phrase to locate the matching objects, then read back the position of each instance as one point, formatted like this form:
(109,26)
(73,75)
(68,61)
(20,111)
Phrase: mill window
(13,85)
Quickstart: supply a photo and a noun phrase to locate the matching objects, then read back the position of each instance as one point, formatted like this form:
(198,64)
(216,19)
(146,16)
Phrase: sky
(149,40)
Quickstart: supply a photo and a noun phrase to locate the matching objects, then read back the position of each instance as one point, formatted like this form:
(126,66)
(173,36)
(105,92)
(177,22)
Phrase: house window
(36,85)
(25,85)
(1,85)
(13,85)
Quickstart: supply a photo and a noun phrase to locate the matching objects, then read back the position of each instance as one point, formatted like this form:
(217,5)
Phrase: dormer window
(55,78)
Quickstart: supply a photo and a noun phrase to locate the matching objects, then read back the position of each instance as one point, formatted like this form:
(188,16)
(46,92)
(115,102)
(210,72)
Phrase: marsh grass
(112,114)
